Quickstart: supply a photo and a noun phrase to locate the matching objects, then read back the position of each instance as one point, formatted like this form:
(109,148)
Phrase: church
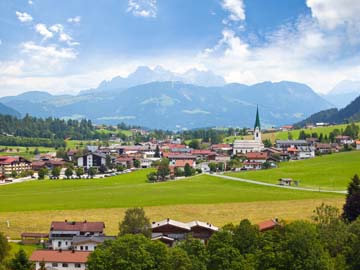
(255,145)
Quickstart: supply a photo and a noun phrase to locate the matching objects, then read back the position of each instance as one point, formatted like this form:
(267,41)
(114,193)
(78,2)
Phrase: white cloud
(236,9)
(30,2)
(332,13)
(23,16)
(0,42)
(142,8)
(57,28)
(51,51)
(76,19)
(44,31)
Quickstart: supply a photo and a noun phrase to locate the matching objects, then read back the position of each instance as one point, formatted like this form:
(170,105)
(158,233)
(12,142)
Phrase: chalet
(89,243)
(58,259)
(257,157)
(175,230)
(221,148)
(91,159)
(9,164)
(126,162)
(62,233)
(323,148)
(285,144)
(357,143)
(202,153)
(48,163)
(344,140)
(252,165)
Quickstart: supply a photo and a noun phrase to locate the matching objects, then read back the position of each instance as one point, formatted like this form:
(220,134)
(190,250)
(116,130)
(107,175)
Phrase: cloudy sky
(65,46)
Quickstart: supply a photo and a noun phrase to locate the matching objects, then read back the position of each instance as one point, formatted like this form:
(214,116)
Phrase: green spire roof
(257,121)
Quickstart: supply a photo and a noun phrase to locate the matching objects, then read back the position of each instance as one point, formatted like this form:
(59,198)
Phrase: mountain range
(343,93)
(158,98)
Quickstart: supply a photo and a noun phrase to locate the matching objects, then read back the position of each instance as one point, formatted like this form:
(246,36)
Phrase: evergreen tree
(163,169)
(352,204)
(68,172)
(4,247)
(187,170)
(20,262)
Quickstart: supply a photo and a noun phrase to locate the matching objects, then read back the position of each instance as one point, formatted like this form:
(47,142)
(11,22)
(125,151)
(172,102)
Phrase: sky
(66,46)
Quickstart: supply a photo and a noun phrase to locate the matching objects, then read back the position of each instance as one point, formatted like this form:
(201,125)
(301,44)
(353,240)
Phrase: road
(278,186)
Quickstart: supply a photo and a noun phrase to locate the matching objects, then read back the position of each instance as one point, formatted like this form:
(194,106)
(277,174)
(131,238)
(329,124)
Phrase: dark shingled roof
(77,226)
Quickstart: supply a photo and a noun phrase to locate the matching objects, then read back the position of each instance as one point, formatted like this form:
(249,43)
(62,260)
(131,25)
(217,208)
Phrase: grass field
(327,172)
(24,152)
(131,190)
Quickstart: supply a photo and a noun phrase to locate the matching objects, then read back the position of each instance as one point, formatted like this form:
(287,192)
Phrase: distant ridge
(5,110)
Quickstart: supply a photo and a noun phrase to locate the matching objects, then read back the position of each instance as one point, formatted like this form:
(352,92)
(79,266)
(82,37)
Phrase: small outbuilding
(285,181)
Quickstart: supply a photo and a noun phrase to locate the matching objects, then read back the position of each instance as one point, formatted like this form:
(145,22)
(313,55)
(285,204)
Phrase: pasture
(331,172)
(31,206)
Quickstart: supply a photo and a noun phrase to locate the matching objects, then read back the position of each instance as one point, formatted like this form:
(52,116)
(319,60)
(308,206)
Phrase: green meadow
(332,172)
(132,190)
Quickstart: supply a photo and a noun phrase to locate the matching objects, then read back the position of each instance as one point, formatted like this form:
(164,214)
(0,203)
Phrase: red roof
(182,163)
(267,225)
(357,142)
(292,150)
(7,160)
(220,145)
(59,256)
(201,152)
(77,226)
(257,155)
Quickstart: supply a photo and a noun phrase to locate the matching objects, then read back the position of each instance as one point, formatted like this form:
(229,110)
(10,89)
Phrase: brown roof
(35,235)
(60,256)
(257,155)
(77,226)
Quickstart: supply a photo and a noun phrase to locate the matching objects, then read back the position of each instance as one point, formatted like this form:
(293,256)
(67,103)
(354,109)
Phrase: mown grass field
(30,206)
(26,152)
(331,172)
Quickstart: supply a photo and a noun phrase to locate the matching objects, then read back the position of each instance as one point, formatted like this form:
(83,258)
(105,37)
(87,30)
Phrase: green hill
(331,172)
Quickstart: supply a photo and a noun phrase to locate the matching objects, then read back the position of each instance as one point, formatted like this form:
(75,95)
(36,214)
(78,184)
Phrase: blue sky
(66,46)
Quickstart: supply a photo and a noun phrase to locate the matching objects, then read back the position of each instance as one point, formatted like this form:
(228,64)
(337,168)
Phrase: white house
(91,160)
(305,152)
(60,260)
(86,243)
(62,233)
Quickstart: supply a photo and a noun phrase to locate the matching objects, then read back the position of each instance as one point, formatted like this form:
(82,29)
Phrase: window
(81,248)
(54,264)
(64,265)
(59,243)
(86,248)
(77,265)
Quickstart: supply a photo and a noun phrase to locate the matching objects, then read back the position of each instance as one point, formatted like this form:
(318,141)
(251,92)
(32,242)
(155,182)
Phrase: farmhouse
(255,145)
(53,259)
(344,140)
(62,233)
(268,225)
(285,144)
(174,230)
(13,164)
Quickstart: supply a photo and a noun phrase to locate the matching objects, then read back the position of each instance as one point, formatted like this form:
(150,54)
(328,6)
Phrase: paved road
(278,186)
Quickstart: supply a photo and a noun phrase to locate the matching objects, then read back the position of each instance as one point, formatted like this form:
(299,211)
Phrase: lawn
(132,190)
(26,152)
(331,172)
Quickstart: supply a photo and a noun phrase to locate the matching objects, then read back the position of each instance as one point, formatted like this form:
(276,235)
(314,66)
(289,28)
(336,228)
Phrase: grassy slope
(131,190)
(24,153)
(328,171)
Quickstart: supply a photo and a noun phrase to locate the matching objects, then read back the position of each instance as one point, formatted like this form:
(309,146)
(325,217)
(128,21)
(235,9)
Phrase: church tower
(257,127)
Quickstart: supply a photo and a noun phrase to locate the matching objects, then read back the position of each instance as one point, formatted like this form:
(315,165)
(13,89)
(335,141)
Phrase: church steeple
(257,121)
(257,127)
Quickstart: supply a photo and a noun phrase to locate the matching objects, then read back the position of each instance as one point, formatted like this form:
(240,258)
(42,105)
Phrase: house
(62,232)
(180,164)
(357,144)
(285,181)
(255,145)
(285,144)
(48,163)
(91,159)
(126,162)
(323,148)
(89,243)
(287,128)
(252,165)
(201,153)
(203,166)
(344,140)
(222,148)
(175,230)
(268,225)
(59,259)
(9,164)
(305,152)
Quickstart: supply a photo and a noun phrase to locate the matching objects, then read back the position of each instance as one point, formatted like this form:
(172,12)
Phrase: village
(93,161)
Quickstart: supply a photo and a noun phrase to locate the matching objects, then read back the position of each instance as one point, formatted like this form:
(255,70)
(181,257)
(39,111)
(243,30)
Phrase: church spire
(257,121)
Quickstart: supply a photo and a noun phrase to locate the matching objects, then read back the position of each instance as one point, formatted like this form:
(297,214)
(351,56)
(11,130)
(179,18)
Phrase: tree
(267,143)
(129,252)
(196,252)
(151,177)
(36,151)
(119,167)
(13,174)
(352,203)
(179,260)
(157,152)
(194,144)
(187,170)
(137,163)
(266,165)
(68,173)
(42,173)
(163,169)
(4,247)
(79,172)
(135,222)
(20,262)
(213,166)
(92,171)
(108,162)
(246,237)
(56,172)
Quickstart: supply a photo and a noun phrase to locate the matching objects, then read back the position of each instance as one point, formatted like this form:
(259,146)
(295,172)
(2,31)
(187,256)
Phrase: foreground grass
(331,172)
(131,190)
(218,214)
